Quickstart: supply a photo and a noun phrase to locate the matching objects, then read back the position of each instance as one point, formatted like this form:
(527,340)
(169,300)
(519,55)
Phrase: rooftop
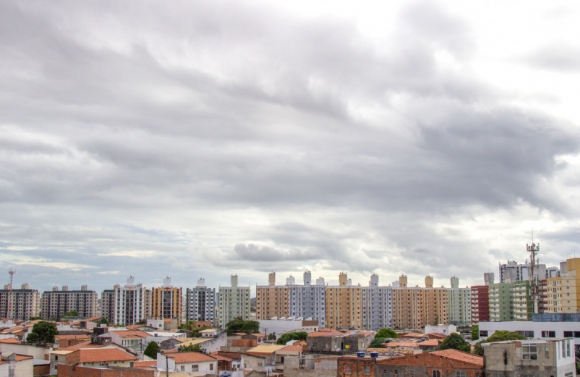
(95,355)
(190,357)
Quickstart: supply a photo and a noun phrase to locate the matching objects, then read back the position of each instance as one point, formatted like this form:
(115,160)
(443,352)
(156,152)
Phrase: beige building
(56,304)
(344,304)
(563,292)
(166,301)
(19,303)
(416,307)
(272,300)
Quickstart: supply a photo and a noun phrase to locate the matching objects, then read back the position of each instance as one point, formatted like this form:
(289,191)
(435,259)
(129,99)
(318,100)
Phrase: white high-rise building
(513,271)
(200,302)
(308,301)
(377,305)
(130,303)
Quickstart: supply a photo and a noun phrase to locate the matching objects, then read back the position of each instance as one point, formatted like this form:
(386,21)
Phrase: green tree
(475,332)
(239,325)
(42,332)
(104,321)
(151,350)
(386,333)
(455,341)
(142,322)
(377,343)
(190,348)
(271,336)
(298,335)
(497,336)
(72,313)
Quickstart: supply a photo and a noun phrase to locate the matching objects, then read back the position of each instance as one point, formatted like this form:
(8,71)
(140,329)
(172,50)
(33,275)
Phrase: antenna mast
(533,249)
(10,313)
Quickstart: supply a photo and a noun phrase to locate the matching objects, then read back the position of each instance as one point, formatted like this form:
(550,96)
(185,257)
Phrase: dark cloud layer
(205,139)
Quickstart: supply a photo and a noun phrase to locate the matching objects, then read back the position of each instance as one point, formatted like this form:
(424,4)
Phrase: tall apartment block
(500,302)
(130,303)
(523,305)
(19,303)
(307,300)
(343,304)
(563,292)
(479,304)
(415,307)
(272,300)
(233,302)
(513,271)
(377,305)
(108,305)
(166,301)
(200,302)
(459,304)
(56,303)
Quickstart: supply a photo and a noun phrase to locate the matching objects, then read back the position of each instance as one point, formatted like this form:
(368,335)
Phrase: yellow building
(563,292)
(271,300)
(343,305)
(415,307)
(166,301)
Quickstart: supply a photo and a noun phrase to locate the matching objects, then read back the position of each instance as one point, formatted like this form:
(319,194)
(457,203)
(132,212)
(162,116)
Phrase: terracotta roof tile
(190,357)
(145,364)
(96,355)
(10,341)
(460,356)
(131,334)
(324,332)
(81,345)
(71,337)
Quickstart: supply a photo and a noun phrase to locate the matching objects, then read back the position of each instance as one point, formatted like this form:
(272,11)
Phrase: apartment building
(200,302)
(500,302)
(415,307)
(344,304)
(233,302)
(166,301)
(20,303)
(513,271)
(108,305)
(129,303)
(55,303)
(273,301)
(563,292)
(307,301)
(479,304)
(377,305)
(459,304)
(523,305)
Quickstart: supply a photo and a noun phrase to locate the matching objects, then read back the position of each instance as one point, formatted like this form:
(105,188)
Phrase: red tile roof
(10,341)
(324,332)
(145,364)
(131,334)
(460,356)
(96,355)
(190,357)
(71,337)
(81,345)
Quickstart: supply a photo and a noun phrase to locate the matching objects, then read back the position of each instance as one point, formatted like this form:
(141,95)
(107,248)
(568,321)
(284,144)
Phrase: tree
(72,313)
(141,322)
(104,321)
(42,332)
(151,350)
(298,335)
(497,336)
(377,343)
(272,336)
(386,333)
(475,332)
(190,348)
(239,325)
(455,341)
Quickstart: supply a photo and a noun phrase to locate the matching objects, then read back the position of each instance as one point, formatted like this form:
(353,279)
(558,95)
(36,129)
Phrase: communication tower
(10,313)
(534,249)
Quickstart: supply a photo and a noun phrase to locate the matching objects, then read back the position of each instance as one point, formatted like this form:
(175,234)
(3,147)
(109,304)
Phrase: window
(460,373)
(567,348)
(366,370)
(182,368)
(530,352)
(436,373)
(210,366)
(548,334)
(347,369)
(483,333)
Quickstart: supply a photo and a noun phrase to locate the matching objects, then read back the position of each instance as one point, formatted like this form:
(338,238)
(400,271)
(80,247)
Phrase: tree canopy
(72,313)
(497,336)
(377,343)
(386,333)
(190,348)
(151,350)
(239,325)
(455,341)
(298,335)
(475,332)
(42,332)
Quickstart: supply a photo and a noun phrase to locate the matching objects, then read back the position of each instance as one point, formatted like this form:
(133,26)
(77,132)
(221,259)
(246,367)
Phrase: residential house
(23,365)
(191,362)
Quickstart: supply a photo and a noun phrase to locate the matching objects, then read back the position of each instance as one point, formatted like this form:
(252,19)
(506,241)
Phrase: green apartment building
(510,302)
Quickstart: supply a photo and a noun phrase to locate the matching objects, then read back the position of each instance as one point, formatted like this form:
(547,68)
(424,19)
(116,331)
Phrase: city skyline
(210,139)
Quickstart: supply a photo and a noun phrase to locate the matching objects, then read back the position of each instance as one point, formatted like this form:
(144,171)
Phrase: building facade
(56,303)
(563,292)
(308,301)
(343,305)
(459,304)
(200,302)
(19,304)
(166,301)
(416,307)
(272,301)
(233,302)
(479,303)
(129,303)
(377,305)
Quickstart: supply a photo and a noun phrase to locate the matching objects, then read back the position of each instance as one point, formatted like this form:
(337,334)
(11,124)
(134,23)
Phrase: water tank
(360,354)
(374,354)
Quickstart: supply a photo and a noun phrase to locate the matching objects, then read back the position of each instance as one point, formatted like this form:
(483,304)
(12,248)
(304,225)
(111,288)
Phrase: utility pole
(533,249)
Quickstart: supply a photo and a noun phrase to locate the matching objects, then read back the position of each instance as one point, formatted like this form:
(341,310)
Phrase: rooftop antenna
(533,249)
(10,313)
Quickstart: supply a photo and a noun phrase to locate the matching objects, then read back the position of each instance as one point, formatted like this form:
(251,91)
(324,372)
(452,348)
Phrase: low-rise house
(228,361)
(208,343)
(533,357)
(23,365)
(63,341)
(39,352)
(190,362)
(310,366)
(261,358)
(438,364)
(97,357)
(326,340)
(209,333)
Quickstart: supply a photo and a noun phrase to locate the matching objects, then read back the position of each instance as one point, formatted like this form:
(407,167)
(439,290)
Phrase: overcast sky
(202,139)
